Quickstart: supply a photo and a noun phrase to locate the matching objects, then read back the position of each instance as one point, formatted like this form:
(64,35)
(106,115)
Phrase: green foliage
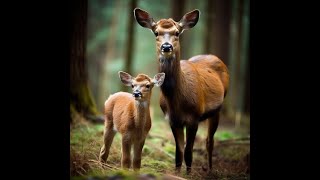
(224,135)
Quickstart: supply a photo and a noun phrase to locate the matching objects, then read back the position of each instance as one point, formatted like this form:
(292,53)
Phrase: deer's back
(118,109)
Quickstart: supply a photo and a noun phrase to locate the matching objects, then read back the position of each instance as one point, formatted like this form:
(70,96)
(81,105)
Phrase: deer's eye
(177,33)
(132,85)
(156,33)
(147,86)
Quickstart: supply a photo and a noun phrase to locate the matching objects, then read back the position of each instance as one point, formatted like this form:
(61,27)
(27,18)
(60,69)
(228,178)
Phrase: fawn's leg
(126,155)
(137,149)
(108,136)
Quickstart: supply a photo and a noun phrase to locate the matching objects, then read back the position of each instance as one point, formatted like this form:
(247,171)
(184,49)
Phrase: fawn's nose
(166,47)
(136,94)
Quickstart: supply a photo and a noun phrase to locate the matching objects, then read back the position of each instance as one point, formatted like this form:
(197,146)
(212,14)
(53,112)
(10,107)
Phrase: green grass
(158,157)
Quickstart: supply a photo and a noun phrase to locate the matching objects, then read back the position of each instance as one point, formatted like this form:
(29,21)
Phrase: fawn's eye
(156,33)
(177,33)
(147,86)
(132,85)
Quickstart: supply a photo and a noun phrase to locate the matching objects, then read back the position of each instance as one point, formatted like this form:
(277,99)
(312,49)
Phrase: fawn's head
(142,84)
(167,31)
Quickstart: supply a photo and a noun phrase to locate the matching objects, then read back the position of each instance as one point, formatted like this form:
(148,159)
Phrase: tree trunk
(109,54)
(81,100)
(129,49)
(177,11)
(222,33)
(245,71)
(234,54)
(209,27)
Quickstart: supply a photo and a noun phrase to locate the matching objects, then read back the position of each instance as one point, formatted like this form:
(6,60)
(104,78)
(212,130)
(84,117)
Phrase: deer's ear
(189,20)
(158,79)
(143,18)
(126,78)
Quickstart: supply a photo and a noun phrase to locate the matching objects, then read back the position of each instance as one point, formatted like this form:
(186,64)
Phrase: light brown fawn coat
(129,114)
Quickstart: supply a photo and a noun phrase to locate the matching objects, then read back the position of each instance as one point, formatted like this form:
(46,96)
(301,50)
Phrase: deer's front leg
(179,138)
(191,135)
(126,158)
(137,150)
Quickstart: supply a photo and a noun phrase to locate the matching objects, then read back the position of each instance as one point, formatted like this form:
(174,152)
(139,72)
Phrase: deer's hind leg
(212,127)
(108,136)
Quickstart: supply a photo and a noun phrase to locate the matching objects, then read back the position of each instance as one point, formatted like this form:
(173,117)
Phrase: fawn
(129,114)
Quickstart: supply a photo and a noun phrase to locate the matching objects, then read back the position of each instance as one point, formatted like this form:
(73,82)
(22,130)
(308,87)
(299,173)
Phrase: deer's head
(167,31)
(142,84)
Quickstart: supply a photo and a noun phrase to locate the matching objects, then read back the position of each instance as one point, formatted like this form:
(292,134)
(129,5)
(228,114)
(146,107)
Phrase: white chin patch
(166,53)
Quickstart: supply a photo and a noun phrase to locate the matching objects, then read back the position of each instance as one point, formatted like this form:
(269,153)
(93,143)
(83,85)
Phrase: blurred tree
(109,52)
(217,28)
(222,26)
(177,11)
(96,47)
(234,54)
(130,41)
(244,102)
(81,100)
(238,65)
(209,30)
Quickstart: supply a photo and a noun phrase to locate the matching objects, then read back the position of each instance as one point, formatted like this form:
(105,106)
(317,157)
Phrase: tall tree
(81,100)
(217,28)
(239,58)
(131,35)
(109,53)
(209,29)
(177,11)
(244,102)
(234,54)
(222,33)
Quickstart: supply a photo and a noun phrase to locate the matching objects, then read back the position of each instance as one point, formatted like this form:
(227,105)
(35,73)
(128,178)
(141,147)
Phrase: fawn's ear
(158,79)
(143,18)
(189,20)
(126,78)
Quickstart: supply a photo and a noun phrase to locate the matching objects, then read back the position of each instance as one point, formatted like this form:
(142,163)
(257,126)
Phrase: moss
(158,154)
(81,101)
(169,148)
(234,152)
(224,135)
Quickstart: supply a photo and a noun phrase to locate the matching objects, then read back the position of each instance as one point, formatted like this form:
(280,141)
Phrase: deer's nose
(166,47)
(136,94)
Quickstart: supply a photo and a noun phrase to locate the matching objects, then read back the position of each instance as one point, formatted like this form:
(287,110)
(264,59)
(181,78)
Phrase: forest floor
(231,154)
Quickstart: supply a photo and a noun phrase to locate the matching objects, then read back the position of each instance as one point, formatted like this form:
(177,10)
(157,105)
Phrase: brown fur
(124,114)
(194,89)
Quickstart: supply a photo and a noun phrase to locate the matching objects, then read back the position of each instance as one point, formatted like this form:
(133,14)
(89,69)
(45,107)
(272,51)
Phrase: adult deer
(129,114)
(194,89)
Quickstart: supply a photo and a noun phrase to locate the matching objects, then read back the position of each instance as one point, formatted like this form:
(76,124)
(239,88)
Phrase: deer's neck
(171,67)
(141,113)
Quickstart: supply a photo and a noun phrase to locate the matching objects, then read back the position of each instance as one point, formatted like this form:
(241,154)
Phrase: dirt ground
(231,154)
